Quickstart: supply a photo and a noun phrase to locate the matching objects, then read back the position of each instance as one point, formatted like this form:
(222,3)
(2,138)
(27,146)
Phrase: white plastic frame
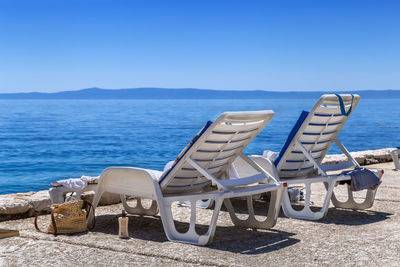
(142,183)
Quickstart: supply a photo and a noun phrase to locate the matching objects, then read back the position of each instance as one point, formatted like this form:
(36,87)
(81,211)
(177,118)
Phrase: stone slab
(366,157)
(26,204)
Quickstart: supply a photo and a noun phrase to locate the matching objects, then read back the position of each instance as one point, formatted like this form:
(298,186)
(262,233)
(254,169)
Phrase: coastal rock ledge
(366,157)
(22,205)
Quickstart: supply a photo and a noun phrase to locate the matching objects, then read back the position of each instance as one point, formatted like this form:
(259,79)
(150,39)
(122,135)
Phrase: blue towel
(362,179)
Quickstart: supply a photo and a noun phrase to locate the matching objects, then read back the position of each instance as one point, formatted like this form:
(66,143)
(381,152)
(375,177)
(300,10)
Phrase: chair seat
(203,162)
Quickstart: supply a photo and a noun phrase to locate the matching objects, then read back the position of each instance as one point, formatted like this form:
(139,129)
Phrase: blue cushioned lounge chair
(199,173)
(300,160)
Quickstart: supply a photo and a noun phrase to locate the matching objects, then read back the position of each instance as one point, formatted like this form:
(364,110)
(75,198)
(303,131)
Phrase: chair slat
(216,149)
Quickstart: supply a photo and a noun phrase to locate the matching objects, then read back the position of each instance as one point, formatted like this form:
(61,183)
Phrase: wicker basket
(69,217)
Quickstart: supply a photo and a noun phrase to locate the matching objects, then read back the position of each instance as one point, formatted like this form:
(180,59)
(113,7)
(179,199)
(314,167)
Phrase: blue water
(43,141)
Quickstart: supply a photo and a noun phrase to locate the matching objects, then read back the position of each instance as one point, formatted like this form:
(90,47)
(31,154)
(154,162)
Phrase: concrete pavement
(343,237)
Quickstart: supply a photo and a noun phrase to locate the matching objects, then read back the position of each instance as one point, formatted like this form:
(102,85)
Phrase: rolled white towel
(168,165)
(75,184)
(271,155)
(231,173)
(90,179)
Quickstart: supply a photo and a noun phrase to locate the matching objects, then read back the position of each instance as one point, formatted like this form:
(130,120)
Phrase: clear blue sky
(56,45)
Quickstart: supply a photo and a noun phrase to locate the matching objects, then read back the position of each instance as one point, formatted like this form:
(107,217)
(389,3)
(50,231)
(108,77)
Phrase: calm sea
(43,141)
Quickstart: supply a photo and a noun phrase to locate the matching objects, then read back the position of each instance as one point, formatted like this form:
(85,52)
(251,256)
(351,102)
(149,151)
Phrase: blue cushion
(186,149)
(292,134)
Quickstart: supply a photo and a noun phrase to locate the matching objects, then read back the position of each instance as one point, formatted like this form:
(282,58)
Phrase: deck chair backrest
(216,146)
(315,130)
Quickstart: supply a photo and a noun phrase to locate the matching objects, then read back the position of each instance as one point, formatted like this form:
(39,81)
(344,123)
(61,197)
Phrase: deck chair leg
(139,209)
(350,203)
(395,157)
(96,200)
(57,195)
(191,235)
(306,213)
(251,221)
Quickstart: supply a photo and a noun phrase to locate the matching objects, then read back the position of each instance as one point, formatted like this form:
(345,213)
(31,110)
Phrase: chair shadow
(333,216)
(251,241)
(260,207)
(353,217)
(226,238)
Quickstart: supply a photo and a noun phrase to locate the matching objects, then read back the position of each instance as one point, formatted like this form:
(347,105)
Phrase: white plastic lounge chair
(299,162)
(59,191)
(395,157)
(198,174)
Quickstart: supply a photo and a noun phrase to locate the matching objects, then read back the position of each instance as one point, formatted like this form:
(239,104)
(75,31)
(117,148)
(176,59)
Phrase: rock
(334,159)
(370,161)
(21,203)
(31,202)
(40,200)
(362,157)
(109,199)
(106,198)
(13,204)
(89,195)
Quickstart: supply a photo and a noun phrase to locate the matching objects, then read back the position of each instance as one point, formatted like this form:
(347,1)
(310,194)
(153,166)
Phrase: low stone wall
(363,157)
(22,205)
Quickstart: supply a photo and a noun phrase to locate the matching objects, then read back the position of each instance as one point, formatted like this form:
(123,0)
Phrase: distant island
(190,93)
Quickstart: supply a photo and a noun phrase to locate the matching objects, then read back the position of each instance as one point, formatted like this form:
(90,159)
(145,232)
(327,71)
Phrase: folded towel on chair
(271,155)
(362,179)
(75,184)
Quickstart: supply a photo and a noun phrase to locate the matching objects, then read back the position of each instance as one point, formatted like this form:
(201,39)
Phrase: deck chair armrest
(337,166)
(208,175)
(347,153)
(258,178)
(125,180)
(378,172)
(310,157)
(267,167)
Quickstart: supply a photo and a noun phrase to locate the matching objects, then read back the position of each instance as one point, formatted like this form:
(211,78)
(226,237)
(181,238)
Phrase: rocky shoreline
(365,157)
(22,205)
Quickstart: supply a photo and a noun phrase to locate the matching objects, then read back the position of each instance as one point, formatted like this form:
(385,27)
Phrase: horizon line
(204,89)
